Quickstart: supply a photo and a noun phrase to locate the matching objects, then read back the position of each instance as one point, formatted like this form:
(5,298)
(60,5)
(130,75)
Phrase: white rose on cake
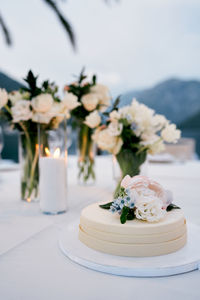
(21,111)
(70,101)
(90,101)
(170,134)
(42,103)
(149,208)
(3,98)
(107,142)
(93,119)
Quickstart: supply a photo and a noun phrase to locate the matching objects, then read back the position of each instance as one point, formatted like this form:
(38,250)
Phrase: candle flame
(36,147)
(28,199)
(56,153)
(47,152)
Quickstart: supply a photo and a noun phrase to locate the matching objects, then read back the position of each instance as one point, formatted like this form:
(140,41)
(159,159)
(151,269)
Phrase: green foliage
(121,193)
(46,87)
(64,22)
(172,206)
(114,106)
(131,215)
(131,141)
(106,206)
(124,214)
(80,88)
(130,161)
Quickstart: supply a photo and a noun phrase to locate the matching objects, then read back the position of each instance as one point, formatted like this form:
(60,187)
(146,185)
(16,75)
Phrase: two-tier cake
(141,221)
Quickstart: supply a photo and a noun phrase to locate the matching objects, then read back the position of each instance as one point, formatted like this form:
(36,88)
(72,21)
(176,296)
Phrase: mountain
(192,122)
(8,83)
(177,99)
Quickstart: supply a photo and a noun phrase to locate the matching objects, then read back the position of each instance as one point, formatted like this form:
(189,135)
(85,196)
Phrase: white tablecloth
(32,266)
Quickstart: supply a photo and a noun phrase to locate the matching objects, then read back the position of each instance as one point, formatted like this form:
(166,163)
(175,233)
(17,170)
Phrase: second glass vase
(86,156)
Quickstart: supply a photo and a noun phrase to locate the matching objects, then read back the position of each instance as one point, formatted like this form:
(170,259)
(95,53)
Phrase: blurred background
(149,49)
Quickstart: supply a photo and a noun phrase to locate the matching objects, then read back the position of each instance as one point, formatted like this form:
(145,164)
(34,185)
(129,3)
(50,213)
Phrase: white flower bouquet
(86,100)
(25,109)
(133,131)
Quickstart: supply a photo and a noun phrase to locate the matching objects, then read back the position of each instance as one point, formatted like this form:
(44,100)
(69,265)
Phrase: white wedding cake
(144,221)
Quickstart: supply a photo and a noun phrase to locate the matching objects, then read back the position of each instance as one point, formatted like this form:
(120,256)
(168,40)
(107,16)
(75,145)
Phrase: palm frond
(63,21)
(6,32)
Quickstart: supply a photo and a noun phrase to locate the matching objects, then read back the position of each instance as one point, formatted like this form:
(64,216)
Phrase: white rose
(90,101)
(114,115)
(107,142)
(103,95)
(156,147)
(159,121)
(14,96)
(115,128)
(43,118)
(93,119)
(149,208)
(70,101)
(125,112)
(170,134)
(58,113)
(42,103)
(3,98)
(21,111)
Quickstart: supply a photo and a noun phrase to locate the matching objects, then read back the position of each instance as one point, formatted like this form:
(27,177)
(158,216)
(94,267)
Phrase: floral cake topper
(142,198)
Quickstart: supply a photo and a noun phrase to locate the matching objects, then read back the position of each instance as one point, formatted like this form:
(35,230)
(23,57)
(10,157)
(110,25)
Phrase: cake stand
(185,260)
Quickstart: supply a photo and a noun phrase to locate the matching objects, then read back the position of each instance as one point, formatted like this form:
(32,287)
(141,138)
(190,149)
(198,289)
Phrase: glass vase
(86,156)
(129,163)
(28,157)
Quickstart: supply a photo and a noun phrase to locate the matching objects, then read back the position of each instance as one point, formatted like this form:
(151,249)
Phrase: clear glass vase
(86,156)
(28,157)
(129,163)
(31,146)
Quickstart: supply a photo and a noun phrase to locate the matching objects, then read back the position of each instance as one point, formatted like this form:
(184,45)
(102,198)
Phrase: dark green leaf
(63,21)
(106,206)
(172,206)
(116,103)
(94,79)
(131,215)
(124,214)
(6,32)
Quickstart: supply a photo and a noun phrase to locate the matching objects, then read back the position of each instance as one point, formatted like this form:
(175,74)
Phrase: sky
(129,44)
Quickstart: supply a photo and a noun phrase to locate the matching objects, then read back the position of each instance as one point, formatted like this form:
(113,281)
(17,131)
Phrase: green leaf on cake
(124,214)
(131,215)
(106,206)
(172,206)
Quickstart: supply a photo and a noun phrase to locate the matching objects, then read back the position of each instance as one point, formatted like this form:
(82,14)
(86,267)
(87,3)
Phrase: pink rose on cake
(142,185)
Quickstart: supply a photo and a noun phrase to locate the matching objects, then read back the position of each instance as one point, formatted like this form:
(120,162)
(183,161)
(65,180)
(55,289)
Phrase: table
(32,266)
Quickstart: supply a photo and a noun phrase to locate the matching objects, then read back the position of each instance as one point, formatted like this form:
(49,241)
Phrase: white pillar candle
(53,184)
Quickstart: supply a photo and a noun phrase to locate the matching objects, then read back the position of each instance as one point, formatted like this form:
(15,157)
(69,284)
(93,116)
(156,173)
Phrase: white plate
(185,260)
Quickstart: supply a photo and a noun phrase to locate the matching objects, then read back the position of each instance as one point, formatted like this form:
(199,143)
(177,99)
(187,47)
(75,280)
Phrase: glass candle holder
(53,169)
